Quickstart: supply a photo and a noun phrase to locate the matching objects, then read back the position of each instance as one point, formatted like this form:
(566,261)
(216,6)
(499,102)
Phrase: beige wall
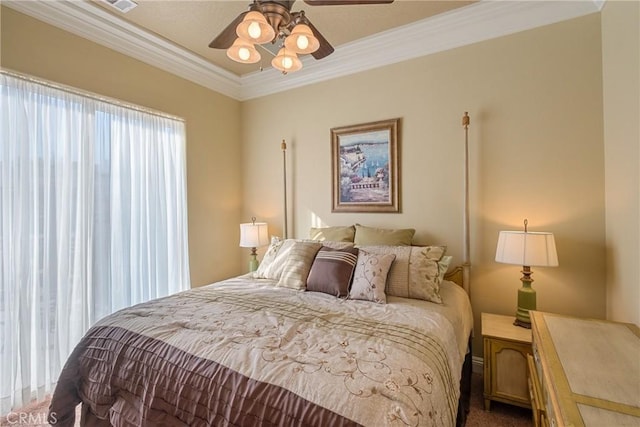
(214,179)
(621,89)
(535,101)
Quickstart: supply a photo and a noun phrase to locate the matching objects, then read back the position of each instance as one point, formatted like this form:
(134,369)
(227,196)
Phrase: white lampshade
(244,52)
(527,248)
(286,61)
(254,235)
(255,28)
(301,40)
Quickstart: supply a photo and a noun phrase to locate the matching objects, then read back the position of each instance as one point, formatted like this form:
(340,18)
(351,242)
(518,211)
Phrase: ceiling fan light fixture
(286,61)
(255,28)
(243,51)
(301,40)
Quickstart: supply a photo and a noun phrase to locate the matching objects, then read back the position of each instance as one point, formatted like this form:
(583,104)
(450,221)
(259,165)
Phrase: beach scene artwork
(364,167)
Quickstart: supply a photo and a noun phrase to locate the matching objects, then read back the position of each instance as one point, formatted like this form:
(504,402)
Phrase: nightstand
(506,347)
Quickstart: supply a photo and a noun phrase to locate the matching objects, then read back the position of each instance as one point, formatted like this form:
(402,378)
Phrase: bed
(248,352)
(325,333)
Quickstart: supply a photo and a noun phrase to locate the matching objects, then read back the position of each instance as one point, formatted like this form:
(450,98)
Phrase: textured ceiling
(193,24)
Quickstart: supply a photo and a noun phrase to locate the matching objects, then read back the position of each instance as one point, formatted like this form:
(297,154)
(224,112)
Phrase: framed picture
(364,167)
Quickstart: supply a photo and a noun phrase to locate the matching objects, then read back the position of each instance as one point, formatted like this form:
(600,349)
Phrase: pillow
(398,279)
(424,273)
(410,269)
(336,234)
(443,267)
(370,276)
(274,258)
(332,270)
(296,268)
(336,245)
(382,236)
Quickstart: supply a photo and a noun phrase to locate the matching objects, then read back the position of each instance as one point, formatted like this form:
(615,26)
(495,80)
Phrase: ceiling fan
(271,21)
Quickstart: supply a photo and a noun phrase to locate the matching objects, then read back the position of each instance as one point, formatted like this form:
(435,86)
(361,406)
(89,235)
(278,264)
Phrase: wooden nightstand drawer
(505,361)
(535,394)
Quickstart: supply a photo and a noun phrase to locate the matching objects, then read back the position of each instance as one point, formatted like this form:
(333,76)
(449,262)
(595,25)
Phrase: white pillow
(370,276)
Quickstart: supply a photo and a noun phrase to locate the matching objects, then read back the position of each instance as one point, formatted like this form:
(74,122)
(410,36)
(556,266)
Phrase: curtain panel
(93,219)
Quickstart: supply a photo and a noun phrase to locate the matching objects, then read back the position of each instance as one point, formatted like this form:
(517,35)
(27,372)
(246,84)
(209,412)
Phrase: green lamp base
(526,300)
(253,262)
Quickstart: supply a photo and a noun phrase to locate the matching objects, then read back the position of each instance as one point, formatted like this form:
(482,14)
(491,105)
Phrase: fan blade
(226,38)
(344,2)
(325,48)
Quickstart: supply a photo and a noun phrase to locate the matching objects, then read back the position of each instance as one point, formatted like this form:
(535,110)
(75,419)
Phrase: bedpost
(283,146)
(466,263)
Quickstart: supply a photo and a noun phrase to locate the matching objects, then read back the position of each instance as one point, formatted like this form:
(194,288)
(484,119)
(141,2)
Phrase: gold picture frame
(365,168)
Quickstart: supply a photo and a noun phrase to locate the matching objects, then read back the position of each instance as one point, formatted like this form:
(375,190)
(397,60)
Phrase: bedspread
(243,352)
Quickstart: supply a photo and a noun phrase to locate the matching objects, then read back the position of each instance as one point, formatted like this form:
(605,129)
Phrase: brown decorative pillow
(336,234)
(370,276)
(332,270)
(383,236)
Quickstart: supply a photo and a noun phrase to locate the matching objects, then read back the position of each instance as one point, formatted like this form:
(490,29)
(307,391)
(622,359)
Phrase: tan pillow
(336,245)
(336,234)
(383,236)
(415,272)
(424,273)
(298,264)
(369,277)
(398,279)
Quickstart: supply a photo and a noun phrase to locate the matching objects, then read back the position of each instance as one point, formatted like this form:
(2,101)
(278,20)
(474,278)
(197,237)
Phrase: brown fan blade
(226,38)
(344,2)
(325,48)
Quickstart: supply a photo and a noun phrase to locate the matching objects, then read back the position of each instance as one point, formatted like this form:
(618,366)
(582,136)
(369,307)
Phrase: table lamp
(525,248)
(253,235)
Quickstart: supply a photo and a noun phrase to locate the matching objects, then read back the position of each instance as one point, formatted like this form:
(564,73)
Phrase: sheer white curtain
(92,219)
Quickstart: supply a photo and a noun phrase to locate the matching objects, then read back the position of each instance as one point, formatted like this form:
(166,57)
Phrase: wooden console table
(588,371)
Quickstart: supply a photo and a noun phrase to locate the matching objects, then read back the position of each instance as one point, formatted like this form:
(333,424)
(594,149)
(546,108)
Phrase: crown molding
(460,27)
(479,21)
(92,23)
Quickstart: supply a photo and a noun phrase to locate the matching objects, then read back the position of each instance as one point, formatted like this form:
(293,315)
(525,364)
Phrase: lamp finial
(526,222)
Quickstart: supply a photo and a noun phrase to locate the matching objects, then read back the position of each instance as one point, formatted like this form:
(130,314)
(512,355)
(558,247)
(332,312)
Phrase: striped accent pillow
(296,267)
(332,271)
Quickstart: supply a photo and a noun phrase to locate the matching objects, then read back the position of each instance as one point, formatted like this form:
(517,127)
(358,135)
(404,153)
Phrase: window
(92,219)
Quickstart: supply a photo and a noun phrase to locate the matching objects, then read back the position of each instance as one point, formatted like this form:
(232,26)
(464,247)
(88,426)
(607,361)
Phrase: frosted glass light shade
(255,28)
(254,235)
(286,61)
(244,52)
(527,249)
(301,40)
